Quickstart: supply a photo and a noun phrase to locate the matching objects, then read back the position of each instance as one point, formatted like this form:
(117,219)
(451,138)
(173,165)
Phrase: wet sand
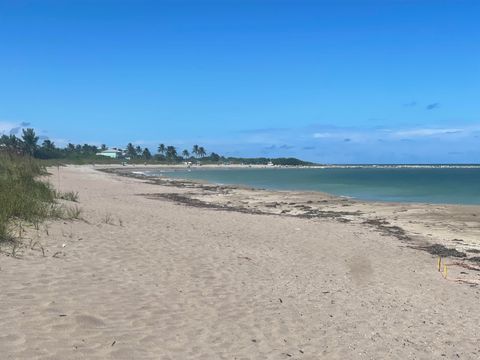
(177,270)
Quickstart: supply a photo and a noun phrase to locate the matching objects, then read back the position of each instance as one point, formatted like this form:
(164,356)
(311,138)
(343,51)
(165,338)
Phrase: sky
(325,81)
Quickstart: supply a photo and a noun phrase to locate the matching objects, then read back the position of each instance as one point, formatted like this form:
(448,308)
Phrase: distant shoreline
(328,166)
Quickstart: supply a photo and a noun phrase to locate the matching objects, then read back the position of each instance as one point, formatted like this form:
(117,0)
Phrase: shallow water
(459,185)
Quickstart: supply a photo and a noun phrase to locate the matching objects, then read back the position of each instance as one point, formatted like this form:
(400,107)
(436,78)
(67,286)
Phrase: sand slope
(177,282)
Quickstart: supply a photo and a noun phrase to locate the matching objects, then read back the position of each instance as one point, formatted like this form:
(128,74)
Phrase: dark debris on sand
(385,228)
(440,250)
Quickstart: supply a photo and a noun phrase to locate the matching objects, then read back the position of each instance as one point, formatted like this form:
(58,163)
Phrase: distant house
(112,153)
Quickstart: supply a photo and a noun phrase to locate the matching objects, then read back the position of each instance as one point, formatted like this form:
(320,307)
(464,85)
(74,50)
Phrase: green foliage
(87,154)
(171,154)
(30,140)
(161,149)
(266,161)
(146,155)
(22,196)
(201,152)
(195,150)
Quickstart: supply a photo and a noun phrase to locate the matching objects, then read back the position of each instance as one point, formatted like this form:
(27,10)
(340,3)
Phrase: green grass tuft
(22,196)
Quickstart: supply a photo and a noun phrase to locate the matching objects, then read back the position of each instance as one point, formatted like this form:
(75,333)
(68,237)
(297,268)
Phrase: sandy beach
(161,269)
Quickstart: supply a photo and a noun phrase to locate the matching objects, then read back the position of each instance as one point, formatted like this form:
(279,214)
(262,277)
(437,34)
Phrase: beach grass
(23,197)
(68,196)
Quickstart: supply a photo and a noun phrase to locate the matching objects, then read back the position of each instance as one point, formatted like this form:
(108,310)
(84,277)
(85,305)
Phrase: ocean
(440,185)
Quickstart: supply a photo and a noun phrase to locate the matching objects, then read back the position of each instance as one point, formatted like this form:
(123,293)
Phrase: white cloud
(427,132)
(366,134)
(12,128)
(324,135)
(6,127)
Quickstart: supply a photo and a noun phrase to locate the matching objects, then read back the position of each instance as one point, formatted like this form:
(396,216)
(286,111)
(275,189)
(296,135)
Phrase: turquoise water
(459,185)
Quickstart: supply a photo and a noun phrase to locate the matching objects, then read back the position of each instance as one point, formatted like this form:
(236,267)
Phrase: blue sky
(327,81)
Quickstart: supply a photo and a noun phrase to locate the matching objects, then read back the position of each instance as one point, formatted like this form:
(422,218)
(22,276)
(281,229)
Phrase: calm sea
(459,185)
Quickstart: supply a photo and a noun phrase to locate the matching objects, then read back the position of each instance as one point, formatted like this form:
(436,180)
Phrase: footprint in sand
(360,270)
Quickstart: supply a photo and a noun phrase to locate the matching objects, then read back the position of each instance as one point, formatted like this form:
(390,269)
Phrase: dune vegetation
(24,198)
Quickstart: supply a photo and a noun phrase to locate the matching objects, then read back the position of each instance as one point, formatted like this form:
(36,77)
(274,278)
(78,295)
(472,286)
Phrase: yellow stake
(445,271)
(439,263)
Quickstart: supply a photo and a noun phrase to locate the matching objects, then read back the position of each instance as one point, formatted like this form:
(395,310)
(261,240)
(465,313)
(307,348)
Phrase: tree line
(28,144)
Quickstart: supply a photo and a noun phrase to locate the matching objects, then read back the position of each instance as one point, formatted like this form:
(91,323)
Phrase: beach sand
(162,271)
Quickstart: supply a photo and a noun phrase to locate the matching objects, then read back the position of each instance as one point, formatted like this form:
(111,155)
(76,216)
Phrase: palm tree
(131,151)
(171,153)
(146,154)
(104,147)
(161,149)
(138,150)
(48,145)
(185,154)
(195,150)
(30,141)
(201,152)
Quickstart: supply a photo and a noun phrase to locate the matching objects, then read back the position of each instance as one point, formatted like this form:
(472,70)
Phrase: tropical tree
(48,145)
(195,150)
(138,151)
(131,151)
(185,154)
(70,147)
(11,143)
(48,150)
(214,157)
(161,149)
(146,154)
(103,147)
(30,141)
(201,152)
(171,153)
(89,149)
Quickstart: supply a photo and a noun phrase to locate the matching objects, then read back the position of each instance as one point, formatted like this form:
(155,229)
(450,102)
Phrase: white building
(112,153)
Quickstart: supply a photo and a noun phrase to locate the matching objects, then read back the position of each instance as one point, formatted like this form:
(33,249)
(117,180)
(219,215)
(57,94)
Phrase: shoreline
(440,229)
(319,166)
(174,169)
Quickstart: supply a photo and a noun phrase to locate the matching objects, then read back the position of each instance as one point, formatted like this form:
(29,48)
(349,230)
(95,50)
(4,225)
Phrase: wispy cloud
(12,128)
(386,134)
(432,106)
(15,130)
(421,132)
(410,104)
(320,135)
